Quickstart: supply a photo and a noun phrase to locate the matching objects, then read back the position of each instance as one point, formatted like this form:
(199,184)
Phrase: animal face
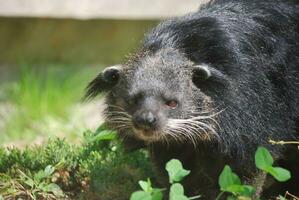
(158,97)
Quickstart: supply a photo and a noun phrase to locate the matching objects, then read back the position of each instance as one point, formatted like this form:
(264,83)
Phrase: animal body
(210,87)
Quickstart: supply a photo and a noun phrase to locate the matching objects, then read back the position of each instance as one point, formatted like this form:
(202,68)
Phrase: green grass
(43,102)
(96,169)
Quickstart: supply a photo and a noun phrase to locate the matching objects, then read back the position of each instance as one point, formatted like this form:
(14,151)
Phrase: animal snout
(145,121)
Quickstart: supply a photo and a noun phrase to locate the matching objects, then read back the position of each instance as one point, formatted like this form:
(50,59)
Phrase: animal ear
(204,73)
(200,73)
(104,81)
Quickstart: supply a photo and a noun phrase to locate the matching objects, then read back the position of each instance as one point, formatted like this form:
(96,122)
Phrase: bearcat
(208,88)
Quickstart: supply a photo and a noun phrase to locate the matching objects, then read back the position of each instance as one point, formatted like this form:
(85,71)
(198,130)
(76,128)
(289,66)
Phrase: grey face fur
(156,100)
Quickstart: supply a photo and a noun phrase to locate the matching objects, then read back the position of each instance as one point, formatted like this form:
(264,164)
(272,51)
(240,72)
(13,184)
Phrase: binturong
(210,87)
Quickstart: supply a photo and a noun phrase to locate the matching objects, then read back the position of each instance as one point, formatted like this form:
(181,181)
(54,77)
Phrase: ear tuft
(111,74)
(205,75)
(201,73)
(103,82)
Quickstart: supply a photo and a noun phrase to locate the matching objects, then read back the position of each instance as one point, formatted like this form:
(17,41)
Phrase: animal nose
(145,120)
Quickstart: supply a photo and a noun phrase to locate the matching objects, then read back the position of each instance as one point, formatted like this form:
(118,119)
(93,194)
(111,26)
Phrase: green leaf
(264,161)
(29,182)
(1,197)
(102,133)
(227,178)
(176,171)
(49,171)
(177,192)
(55,189)
(106,135)
(39,176)
(280,174)
(145,186)
(281,198)
(243,190)
(157,194)
(248,191)
(263,158)
(140,195)
(176,189)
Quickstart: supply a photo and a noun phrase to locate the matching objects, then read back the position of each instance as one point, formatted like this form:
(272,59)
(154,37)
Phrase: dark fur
(252,50)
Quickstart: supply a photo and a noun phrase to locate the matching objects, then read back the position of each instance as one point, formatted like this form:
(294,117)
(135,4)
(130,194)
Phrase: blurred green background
(45,65)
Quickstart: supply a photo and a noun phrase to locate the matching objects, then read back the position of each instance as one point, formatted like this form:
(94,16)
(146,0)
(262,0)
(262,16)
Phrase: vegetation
(229,182)
(176,173)
(41,103)
(97,169)
(100,169)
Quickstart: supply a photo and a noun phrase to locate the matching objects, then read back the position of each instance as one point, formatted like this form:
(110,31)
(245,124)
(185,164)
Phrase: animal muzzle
(146,121)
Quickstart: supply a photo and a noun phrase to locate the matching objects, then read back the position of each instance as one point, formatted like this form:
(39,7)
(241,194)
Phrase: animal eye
(134,99)
(171,104)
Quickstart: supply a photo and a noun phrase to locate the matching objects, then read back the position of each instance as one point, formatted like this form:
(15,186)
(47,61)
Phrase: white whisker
(196,128)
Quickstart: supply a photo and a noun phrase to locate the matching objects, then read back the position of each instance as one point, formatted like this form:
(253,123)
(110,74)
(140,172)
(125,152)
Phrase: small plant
(176,173)
(39,185)
(229,182)
(35,186)
(264,161)
(147,192)
(97,169)
(175,170)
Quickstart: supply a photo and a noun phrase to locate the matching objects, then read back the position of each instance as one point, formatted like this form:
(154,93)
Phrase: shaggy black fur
(251,50)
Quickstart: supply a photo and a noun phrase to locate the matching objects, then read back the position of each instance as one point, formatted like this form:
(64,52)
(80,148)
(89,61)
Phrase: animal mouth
(147,135)
(197,128)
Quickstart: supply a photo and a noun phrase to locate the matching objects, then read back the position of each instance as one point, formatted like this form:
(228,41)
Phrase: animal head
(159,97)
(169,90)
